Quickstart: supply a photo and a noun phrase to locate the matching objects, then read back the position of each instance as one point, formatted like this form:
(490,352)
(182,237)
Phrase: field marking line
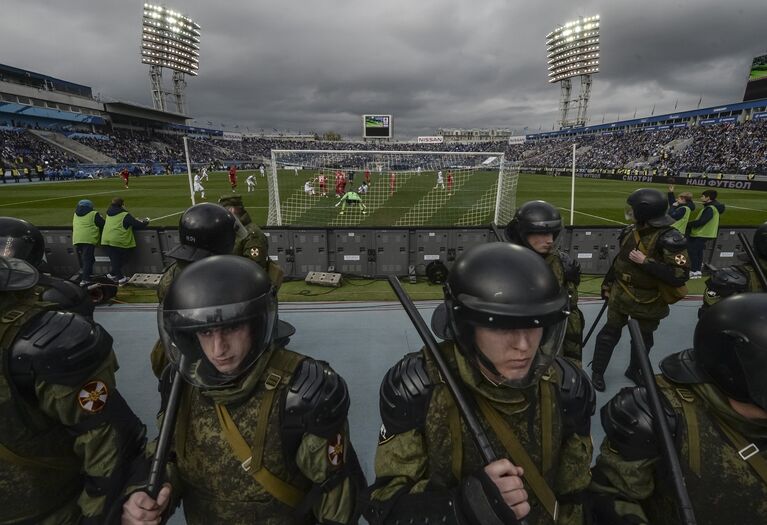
(595,216)
(166,216)
(59,198)
(744,208)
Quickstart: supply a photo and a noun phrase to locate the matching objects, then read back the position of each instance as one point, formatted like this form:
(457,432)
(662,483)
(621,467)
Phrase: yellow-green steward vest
(115,234)
(84,229)
(681,224)
(710,229)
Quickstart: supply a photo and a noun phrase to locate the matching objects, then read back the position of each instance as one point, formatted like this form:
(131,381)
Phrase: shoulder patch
(383,435)
(336,451)
(93,396)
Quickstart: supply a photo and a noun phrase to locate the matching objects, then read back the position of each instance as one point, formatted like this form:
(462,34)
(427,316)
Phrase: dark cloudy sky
(317,66)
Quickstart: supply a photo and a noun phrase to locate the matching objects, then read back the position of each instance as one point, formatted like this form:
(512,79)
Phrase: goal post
(376,188)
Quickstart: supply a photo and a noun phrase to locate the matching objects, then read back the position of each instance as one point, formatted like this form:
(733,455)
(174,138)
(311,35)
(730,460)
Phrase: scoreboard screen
(756,88)
(376,126)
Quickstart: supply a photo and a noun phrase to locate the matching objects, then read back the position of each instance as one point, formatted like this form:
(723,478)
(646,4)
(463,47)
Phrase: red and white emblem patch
(336,451)
(93,396)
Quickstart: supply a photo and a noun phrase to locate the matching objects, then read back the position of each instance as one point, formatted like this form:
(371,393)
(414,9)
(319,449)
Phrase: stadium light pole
(573,51)
(169,40)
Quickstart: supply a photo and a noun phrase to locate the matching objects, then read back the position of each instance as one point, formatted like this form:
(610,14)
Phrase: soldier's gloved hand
(495,495)
(141,509)
(605,292)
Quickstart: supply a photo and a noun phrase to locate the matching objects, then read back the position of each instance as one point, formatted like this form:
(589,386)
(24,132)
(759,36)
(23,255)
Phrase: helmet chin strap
(485,362)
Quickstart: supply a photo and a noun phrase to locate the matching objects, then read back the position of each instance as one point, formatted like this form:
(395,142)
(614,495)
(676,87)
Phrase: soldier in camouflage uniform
(261,435)
(653,255)
(67,437)
(255,245)
(715,399)
(739,278)
(503,334)
(22,240)
(536,225)
(204,229)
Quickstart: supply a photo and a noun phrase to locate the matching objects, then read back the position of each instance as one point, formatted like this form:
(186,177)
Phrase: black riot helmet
(21,240)
(223,293)
(760,241)
(534,217)
(505,286)
(648,206)
(205,229)
(730,345)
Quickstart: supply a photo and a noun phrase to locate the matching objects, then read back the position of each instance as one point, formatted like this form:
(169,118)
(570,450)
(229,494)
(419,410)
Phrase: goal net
(390,188)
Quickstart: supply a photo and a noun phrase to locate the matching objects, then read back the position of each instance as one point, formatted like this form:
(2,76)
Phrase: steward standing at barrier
(646,276)
(704,227)
(87,224)
(118,237)
(680,208)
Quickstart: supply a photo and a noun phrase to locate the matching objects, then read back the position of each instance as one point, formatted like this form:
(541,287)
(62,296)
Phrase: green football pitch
(164,198)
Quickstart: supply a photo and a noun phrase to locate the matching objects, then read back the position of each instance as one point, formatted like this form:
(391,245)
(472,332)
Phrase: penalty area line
(595,216)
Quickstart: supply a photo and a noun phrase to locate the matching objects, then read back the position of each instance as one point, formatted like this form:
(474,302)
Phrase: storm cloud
(317,66)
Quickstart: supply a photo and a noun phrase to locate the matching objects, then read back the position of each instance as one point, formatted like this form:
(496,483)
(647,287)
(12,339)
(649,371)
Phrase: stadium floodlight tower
(169,40)
(573,51)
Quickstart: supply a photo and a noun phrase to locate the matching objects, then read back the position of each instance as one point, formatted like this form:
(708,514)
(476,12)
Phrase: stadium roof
(23,76)
(130,109)
(713,112)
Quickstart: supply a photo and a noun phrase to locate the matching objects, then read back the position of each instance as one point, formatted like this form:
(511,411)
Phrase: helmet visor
(220,342)
(628,213)
(17,247)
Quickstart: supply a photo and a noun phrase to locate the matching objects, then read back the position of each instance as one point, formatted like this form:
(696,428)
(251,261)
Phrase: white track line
(744,208)
(595,216)
(65,197)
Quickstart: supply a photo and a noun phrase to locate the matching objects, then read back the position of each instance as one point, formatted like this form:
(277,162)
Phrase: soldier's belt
(633,296)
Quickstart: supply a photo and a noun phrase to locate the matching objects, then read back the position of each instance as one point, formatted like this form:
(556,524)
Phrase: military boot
(606,340)
(634,371)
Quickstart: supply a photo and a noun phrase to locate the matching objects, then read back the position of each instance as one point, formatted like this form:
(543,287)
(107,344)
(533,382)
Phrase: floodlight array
(573,49)
(170,39)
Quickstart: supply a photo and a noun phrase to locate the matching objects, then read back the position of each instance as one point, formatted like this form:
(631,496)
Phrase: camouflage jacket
(634,288)
(435,455)
(255,245)
(637,489)
(66,438)
(214,485)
